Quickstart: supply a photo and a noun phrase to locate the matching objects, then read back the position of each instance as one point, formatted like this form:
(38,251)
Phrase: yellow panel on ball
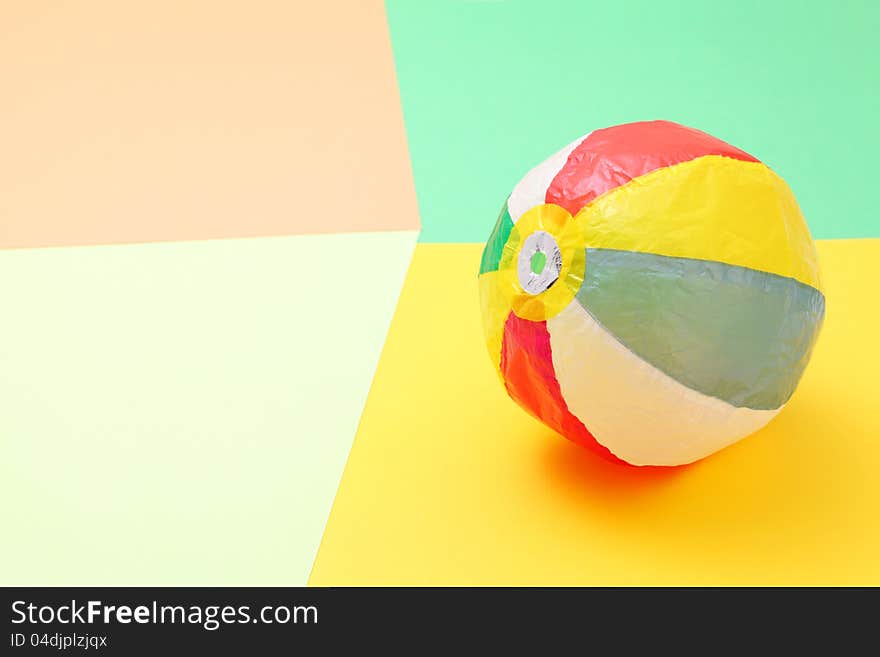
(711,208)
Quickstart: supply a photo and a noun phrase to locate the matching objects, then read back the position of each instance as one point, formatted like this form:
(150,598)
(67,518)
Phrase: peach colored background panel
(163,120)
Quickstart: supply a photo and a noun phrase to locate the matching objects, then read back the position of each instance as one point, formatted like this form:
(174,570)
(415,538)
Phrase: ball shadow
(587,473)
(786,466)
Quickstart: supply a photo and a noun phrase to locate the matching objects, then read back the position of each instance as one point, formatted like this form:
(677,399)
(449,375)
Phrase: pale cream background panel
(147,121)
(180,413)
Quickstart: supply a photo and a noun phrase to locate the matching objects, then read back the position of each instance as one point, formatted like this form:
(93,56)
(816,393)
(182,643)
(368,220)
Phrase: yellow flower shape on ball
(547,239)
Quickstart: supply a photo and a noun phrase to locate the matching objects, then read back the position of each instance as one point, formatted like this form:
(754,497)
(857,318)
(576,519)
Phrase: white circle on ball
(538,245)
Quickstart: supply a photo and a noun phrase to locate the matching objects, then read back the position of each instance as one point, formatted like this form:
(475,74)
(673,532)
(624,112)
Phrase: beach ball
(651,292)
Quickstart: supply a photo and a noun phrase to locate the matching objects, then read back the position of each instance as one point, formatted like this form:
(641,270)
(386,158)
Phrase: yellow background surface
(449,482)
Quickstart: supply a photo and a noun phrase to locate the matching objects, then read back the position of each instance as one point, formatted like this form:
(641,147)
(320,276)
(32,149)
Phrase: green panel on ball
(740,335)
(495,245)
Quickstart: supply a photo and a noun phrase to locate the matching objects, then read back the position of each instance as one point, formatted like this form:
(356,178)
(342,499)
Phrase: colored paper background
(181,412)
(489,89)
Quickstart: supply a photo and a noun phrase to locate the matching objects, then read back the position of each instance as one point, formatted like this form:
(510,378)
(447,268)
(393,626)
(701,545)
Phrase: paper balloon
(651,292)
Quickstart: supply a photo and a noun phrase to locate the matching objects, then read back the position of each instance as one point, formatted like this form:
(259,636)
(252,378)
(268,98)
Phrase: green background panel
(489,89)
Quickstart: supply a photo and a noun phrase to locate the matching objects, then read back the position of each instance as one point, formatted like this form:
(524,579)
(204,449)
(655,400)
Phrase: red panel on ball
(527,366)
(612,157)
